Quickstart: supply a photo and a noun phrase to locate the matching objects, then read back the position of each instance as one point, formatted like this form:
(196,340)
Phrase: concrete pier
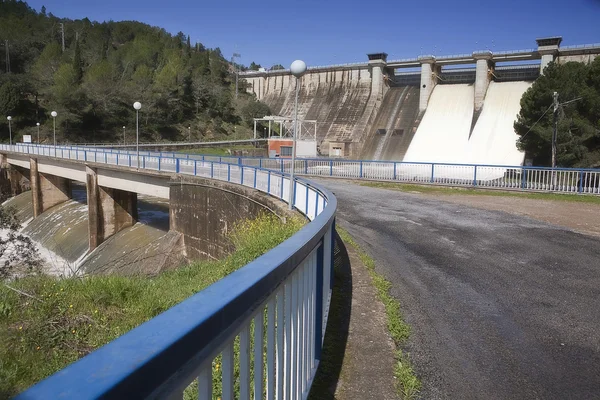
(377,64)
(548,50)
(109,210)
(482,76)
(47,190)
(428,80)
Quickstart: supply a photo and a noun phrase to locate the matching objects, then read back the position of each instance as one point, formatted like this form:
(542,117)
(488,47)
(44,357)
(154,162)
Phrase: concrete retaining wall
(206,211)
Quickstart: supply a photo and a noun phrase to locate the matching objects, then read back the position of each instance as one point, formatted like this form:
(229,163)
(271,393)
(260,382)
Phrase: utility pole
(62,32)
(235,70)
(7,56)
(554,132)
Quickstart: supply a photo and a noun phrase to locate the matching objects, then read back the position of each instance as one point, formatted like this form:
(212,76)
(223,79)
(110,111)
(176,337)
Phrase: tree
(9,98)
(77,64)
(254,109)
(111,65)
(254,67)
(277,67)
(578,139)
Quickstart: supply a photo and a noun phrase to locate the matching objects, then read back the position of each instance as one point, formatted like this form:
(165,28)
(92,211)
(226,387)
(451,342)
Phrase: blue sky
(335,31)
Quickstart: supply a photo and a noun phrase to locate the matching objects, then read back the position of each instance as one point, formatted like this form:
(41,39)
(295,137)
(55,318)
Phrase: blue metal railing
(290,284)
(565,180)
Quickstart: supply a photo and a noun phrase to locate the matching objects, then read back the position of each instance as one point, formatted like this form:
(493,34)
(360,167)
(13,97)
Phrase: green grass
(69,318)
(217,151)
(408,383)
(426,189)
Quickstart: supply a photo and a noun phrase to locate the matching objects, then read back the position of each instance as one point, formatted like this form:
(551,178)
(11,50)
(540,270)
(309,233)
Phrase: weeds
(409,384)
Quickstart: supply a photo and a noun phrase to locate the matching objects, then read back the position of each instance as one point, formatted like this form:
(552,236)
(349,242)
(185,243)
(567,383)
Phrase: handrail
(240,159)
(162,356)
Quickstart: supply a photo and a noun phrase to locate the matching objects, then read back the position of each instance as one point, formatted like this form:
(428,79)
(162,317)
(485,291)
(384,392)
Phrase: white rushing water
(52,264)
(443,134)
(493,140)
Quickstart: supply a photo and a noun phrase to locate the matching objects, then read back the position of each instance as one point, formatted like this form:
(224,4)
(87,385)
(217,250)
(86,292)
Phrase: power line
(539,119)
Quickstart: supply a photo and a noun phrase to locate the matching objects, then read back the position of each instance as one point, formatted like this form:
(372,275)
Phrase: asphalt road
(501,306)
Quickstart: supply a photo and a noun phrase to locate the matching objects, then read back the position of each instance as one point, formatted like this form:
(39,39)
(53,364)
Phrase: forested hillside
(102,70)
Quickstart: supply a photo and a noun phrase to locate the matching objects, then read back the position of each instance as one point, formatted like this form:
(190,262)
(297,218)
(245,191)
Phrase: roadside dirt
(580,217)
(368,366)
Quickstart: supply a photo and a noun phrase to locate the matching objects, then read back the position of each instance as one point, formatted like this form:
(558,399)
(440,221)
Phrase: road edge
(408,385)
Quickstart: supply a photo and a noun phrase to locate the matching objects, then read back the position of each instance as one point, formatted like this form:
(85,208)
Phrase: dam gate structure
(385,109)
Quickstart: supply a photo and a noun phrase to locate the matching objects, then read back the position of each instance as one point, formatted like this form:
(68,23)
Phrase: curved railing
(513,177)
(275,307)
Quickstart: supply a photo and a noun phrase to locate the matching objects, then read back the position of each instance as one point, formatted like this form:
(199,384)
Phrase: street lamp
(189,134)
(54,114)
(38,128)
(137,105)
(9,118)
(298,68)
(123,136)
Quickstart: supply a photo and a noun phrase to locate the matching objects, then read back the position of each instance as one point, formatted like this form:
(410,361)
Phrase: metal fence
(274,310)
(545,179)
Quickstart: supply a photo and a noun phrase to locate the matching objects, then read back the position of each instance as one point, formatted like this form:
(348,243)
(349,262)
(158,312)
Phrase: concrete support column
(548,50)
(482,76)
(109,210)
(52,191)
(5,185)
(36,190)
(377,64)
(93,200)
(118,210)
(428,80)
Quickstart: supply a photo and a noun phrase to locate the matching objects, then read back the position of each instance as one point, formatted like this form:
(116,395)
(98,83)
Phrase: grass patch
(69,318)
(408,384)
(426,189)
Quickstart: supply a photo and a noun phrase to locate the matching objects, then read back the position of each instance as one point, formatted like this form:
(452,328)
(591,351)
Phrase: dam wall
(340,101)
(367,110)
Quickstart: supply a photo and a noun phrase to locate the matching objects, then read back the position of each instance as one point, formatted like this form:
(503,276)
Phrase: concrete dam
(450,109)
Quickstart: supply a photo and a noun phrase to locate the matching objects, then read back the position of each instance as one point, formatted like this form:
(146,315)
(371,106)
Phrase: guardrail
(279,302)
(562,180)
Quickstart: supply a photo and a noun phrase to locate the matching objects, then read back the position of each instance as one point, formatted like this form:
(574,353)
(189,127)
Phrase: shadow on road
(336,335)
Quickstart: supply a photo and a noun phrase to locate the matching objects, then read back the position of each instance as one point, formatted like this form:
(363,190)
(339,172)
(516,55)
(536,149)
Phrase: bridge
(504,177)
(290,285)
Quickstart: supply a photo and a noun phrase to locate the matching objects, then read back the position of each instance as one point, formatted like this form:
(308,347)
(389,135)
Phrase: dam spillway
(61,236)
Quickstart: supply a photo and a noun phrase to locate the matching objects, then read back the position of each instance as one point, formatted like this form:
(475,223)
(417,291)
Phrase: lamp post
(9,118)
(38,129)
(189,134)
(137,105)
(54,114)
(123,136)
(298,68)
